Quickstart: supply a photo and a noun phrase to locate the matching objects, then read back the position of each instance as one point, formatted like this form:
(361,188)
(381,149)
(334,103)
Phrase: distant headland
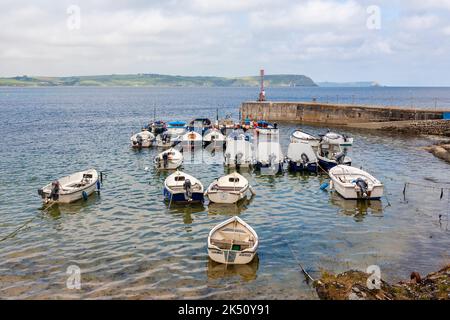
(160,80)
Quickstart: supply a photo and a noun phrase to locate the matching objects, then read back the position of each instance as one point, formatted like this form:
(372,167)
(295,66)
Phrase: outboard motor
(238,159)
(272,163)
(305,158)
(275,125)
(165,157)
(139,140)
(340,158)
(362,186)
(54,193)
(187,186)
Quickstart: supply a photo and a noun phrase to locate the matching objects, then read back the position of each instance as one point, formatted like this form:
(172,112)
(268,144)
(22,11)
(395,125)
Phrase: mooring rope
(23,225)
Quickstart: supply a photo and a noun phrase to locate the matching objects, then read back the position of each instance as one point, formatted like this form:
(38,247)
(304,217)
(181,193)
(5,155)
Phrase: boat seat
(226,243)
(218,188)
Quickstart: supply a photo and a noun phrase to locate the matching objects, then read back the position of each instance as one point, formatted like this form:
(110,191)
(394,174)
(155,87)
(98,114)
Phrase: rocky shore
(427,127)
(441,151)
(413,127)
(352,285)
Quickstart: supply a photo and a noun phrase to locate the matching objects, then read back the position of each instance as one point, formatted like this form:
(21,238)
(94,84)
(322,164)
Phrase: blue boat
(302,158)
(331,154)
(181,187)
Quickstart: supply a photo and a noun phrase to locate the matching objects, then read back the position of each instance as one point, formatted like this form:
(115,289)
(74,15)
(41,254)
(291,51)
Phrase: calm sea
(129,244)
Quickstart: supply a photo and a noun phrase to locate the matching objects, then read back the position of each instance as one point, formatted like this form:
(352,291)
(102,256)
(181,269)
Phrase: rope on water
(16,231)
(307,275)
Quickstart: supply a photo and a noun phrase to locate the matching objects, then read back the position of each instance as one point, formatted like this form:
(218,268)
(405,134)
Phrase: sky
(397,43)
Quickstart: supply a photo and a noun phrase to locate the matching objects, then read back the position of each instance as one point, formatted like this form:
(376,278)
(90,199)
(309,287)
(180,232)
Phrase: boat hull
(171,165)
(197,197)
(230,256)
(300,167)
(269,169)
(74,196)
(145,144)
(350,193)
(327,165)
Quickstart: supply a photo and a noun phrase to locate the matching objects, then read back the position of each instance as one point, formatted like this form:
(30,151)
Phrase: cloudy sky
(328,40)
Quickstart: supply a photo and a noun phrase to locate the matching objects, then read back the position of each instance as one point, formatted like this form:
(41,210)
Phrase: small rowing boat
(182,187)
(168,160)
(232,242)
(228,189)
(143,139)
(71,188)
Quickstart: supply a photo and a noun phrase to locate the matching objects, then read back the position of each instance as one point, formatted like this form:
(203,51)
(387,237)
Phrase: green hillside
(157,80)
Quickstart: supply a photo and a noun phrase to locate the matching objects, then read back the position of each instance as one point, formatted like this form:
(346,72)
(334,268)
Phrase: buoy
(85,195)
(324,186)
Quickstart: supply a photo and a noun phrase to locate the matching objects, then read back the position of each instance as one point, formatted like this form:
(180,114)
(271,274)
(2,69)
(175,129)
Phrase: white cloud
(223,37)
(418,22)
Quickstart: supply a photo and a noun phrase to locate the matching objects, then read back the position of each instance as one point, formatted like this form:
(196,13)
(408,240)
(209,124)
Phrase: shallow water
(129,244)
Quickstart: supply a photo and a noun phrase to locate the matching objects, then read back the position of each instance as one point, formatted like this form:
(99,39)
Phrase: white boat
(182,187)
(168,160)
(71,188)
(213,135)
(228,189)
(353,183)
(191,138)
(232,242)
(301,136)
(331,155)
(269,158)
(176,128)
(143,139)
(342,140)
(238,153)
(265,128)
(239,134)
(301,157)
(167,139)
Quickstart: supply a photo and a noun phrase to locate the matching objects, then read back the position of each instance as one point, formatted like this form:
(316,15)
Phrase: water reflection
(56,210)
(233,209)
(246,272)
(185,212)
(356,208)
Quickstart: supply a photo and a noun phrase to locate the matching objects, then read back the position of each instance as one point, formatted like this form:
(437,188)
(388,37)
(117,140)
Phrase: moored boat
(301,157)
(166,140)
(71,188)
(169,159)
(269,158)
(353,183)
(239,150)
(330,154)
(265,128)
(302,136)
(228,189)
(191,138)
(200,125)
(213,136)
(336,138)
(143,139)
(176,128)
(157,127)
(182,187)
(232,242)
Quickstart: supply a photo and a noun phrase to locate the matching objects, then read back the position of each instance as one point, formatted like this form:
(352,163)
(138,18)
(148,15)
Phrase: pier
(337,114)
